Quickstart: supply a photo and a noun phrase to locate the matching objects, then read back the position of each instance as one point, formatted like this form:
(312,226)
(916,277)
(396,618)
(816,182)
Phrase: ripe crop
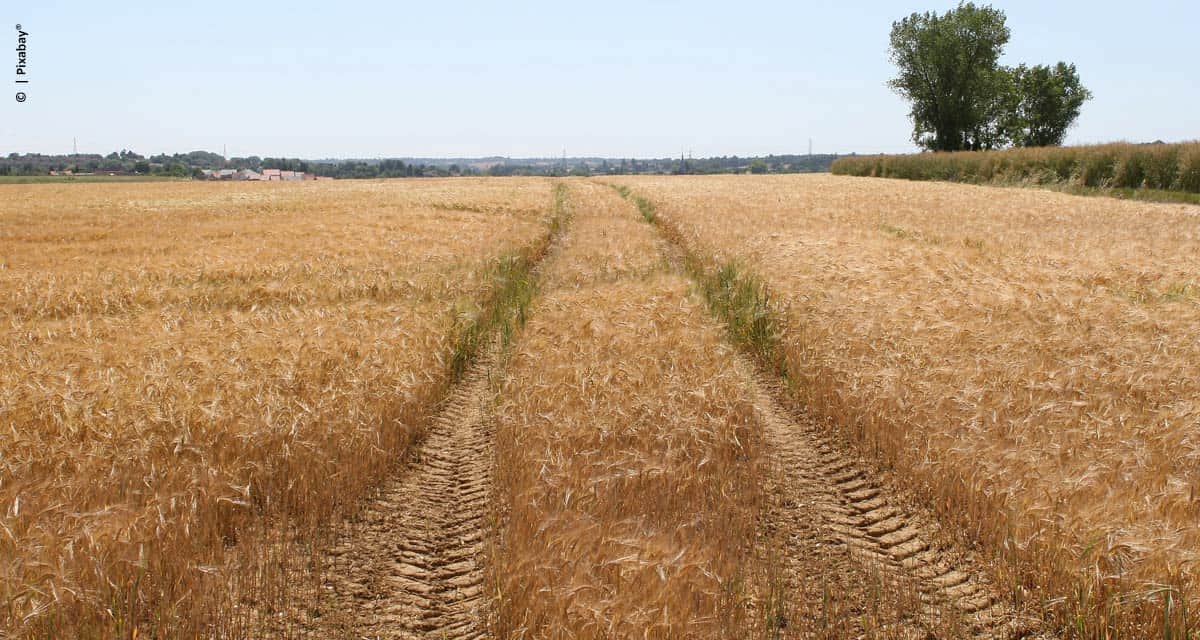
(1026,359)
(185,365)
(249,410)
(626,448)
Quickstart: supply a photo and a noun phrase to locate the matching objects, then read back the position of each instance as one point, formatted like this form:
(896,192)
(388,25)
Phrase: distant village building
(267,175)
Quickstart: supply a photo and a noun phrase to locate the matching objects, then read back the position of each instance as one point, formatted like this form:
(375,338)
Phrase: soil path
(409,566)
(827,514)
(411,563)
(936,589)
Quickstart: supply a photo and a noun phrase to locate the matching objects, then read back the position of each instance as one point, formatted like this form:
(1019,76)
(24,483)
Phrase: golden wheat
(626,450)
(1029,358)
(198,377)
(180,361)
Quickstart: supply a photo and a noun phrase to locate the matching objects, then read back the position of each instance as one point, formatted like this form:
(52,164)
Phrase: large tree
(1047,101)
(949,69)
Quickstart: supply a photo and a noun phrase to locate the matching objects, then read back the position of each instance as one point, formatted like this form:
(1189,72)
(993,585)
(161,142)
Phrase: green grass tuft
(512,291)
(732,292)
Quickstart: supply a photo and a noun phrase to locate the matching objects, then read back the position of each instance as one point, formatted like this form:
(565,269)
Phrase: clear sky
(617,78)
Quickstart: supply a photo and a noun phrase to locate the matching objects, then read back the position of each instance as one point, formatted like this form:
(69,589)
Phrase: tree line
(192,164)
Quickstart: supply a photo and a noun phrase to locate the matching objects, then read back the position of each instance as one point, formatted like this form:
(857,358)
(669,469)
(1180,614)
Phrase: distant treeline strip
(192,164)
(1157,166)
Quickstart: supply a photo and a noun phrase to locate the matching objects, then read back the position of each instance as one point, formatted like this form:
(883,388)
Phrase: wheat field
(182,360)
(626,449)
(626,407)
(1028,360)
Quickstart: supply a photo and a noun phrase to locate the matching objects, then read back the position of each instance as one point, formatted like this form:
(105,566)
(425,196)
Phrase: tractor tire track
(411,566)
(817,479)
(814,479)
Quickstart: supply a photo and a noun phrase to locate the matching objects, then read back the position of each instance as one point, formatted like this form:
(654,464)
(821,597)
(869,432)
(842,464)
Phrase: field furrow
(197,378)
(1024,361)
(410,564)
(938,589)
(826,513)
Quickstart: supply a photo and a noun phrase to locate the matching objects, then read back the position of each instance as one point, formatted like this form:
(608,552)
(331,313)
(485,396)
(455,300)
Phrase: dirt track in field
(410,566)
(831,531)
(825,509)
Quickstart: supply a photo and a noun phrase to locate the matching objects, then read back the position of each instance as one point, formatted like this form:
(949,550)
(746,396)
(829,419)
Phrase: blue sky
(374,79)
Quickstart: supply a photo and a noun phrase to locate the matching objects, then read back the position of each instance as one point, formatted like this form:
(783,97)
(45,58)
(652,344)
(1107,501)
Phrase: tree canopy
(963,99)
(1048,101)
